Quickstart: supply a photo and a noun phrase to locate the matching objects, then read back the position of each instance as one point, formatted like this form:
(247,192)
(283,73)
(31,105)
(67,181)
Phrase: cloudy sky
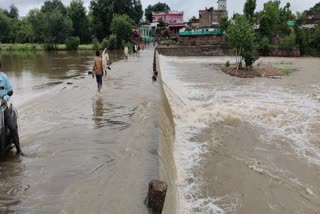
(190,7)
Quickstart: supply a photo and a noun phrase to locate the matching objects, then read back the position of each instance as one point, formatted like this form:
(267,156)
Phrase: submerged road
(85,152)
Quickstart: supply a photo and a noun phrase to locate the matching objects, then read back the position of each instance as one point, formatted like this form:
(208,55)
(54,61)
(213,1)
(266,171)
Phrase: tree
(249,8)
(51,5)
(80,24)
(102,14)
(38,24)
(24,32)
(314,9)
(266,27)
(132,8)
(57,28)
(159,7)
(240,37)
(121,26)
(224,23)
(4,26)
(316,37)
(13,12)
(137,11)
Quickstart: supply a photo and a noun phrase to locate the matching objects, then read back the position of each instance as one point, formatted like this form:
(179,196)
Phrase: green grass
(285,69)
(21,47)
(37,47)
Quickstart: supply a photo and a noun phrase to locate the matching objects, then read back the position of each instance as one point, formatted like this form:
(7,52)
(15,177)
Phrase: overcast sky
(190,7)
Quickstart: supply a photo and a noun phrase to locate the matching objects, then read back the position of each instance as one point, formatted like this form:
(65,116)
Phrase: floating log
(156,196)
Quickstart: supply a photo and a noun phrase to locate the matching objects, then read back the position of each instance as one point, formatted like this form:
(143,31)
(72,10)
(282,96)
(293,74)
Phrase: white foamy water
(201,95)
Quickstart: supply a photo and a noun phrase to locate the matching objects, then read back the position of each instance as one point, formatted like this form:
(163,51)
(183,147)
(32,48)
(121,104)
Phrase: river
(245,145)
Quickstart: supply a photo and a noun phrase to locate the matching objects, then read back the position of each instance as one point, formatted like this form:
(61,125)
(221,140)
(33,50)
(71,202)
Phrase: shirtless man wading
(97,70)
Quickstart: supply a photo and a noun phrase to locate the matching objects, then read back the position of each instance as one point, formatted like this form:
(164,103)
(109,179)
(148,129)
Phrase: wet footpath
(87,152)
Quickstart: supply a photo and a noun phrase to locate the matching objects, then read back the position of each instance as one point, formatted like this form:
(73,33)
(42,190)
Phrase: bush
(288,41)
(95,44)
(249,60)
(264,46)
(105,44)
(48,47)
(166,33)
(228,63)
(113,42)
(72,43)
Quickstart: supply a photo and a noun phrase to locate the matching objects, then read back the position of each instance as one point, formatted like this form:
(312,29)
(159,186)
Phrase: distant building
(211,17)
(195,22)
(168,17)
(145,33)
(312,18)
(172,19)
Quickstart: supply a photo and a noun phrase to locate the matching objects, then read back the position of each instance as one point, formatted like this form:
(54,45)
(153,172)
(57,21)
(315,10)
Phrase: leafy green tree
(316,37)
(288,41)
(58,28)
(224,23)
(137,11)
(38,24)
(52,5)
(264,46)
(113,42)
(121,26)
(159,7)
(266,25)
(4,26)
(72,43)
(24,33)
(13,12)
(314,9)
(240,37)
(303,39)
(249,8)
(102,14)
(80,24)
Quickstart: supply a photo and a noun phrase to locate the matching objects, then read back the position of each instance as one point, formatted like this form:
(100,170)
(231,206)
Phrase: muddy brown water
(85,152)
(245,145)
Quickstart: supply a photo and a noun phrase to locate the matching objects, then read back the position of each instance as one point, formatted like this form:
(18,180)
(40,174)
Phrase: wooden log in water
(156,196)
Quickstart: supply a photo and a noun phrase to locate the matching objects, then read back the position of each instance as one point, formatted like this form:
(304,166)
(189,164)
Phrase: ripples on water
(228,127)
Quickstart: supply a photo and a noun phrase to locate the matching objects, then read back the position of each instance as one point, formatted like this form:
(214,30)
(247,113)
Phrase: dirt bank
(255,71)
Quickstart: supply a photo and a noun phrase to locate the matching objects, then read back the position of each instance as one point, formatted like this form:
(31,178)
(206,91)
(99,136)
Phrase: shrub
(249,60)
(113,42)
(95,44)
(105,43)
(228,63)
(288,41)
(72,43)
(48,46)
(264,46)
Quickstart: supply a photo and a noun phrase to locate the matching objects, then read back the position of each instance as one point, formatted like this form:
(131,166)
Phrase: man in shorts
(97,70)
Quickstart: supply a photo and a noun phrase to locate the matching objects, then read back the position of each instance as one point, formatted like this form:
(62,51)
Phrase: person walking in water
(105,61)
(97,69)
(126,53)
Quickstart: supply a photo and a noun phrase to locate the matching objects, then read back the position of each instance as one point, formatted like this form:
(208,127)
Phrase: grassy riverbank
(38,47)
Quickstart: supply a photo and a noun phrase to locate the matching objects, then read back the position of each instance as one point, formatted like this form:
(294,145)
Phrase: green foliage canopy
(121,27)
(240,37)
